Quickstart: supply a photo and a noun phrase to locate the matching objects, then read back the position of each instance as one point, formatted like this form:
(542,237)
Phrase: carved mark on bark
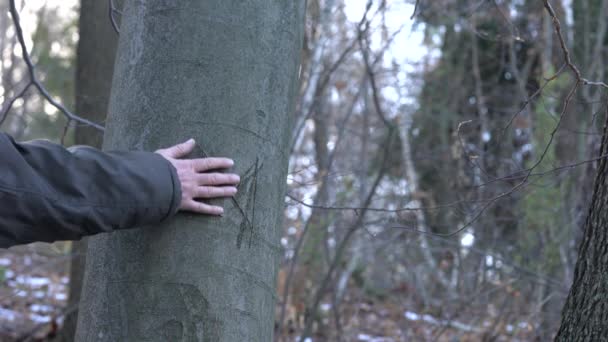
(248,189)
(231,126)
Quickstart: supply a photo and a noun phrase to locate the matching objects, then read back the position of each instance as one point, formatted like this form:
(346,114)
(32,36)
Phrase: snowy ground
(33,291)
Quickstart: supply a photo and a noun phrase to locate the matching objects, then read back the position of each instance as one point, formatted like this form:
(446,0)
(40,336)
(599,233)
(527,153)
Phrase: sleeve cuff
(176,193)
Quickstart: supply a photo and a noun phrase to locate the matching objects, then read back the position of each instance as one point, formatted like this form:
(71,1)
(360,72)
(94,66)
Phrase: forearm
(49,193)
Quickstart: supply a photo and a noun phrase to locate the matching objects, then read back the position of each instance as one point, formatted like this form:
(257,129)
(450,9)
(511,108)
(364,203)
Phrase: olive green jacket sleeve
(50,193)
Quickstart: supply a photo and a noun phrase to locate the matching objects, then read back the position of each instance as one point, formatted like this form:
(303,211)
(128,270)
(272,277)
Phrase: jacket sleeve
(50,193)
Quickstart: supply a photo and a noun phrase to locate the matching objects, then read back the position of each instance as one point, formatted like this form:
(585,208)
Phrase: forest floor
(34,293)
(392,319)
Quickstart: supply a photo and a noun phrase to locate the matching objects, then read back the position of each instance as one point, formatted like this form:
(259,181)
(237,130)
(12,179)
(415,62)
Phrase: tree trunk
(94,68)
(585,314)
(225,73)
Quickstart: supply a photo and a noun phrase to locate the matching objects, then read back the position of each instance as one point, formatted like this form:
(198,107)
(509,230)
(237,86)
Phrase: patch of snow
(412,316)
(40,318)
(32,281)
(289,254)
(7,315)
(292,213)
(429,319)
(489,260)
(467,240)
(369,338)
(486,136)
(41,308)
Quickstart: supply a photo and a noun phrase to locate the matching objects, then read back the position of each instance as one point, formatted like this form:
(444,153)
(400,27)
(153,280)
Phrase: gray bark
(225,73)
(585,314)
(94,67)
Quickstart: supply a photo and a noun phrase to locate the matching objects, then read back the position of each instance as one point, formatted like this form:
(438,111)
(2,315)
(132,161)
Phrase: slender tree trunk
(225,73)
(585,314)
(94,68)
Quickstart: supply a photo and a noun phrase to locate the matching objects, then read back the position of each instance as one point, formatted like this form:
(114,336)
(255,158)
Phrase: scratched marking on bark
(249,182)
(250,187)
(229,125)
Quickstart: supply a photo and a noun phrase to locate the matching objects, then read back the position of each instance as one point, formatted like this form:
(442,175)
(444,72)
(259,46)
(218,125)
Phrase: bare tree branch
(564,47)
(9,104)
(415,9)
(32,74)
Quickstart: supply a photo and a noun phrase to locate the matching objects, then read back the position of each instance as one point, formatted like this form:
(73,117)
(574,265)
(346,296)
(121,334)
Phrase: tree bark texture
(225,73)
(585,314)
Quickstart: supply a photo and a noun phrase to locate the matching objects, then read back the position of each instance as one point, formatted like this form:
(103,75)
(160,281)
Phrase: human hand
(198,179)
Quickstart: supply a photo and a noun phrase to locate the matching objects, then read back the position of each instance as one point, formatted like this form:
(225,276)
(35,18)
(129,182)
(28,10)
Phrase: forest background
(441,169)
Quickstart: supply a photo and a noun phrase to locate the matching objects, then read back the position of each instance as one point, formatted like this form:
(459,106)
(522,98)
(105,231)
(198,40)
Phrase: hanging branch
(34,80)
(415,9)
(9,104)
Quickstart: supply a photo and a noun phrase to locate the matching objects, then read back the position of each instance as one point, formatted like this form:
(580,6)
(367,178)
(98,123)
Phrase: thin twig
(111,13)
(415,9)
(65,131)
(514,176)
(9,104)
(564,47)
(32,73)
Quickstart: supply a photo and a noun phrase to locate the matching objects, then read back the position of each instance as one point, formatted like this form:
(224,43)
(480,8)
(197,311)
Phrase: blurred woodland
(441,170)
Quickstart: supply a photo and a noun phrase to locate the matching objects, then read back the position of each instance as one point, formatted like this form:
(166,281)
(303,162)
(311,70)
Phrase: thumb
(180,150)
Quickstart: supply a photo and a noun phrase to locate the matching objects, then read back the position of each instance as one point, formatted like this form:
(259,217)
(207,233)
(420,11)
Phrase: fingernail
(190,141)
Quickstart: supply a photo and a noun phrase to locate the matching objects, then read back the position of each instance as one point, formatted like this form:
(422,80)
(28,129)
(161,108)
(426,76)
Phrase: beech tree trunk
(585,314)
(225,73)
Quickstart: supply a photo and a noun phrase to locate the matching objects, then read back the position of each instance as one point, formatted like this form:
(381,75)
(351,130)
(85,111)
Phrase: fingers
(190,204)
(202,208)
(214,191)
(198,183)
(178,150)
(218,179)
(206,164)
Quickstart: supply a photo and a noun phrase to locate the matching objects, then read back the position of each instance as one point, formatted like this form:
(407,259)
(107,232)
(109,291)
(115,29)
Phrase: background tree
(440,168)
(94,68)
